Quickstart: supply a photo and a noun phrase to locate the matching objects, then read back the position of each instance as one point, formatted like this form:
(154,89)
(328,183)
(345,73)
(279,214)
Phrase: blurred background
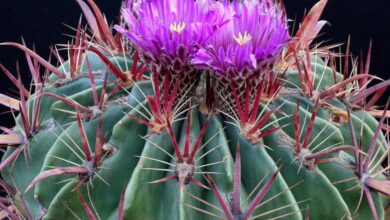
(41,23)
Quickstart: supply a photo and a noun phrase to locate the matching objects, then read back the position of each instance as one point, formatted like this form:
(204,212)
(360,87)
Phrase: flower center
(177,27)
(242,39)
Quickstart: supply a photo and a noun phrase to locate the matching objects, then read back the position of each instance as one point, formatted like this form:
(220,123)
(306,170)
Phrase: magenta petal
(253,38)
(161,28)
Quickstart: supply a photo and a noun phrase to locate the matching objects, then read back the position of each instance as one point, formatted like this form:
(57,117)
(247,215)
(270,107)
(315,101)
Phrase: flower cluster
(225,37)
(251,41)
(236,41)
(167,32)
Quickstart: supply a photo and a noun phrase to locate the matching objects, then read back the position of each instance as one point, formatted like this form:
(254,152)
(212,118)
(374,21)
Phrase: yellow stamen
(243,39)
(177,27)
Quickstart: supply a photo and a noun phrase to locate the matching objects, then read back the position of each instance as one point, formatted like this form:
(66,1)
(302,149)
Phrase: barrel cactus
(196,110)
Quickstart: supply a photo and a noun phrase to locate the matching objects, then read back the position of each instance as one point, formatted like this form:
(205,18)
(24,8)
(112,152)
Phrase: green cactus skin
(135,158)
(295,186)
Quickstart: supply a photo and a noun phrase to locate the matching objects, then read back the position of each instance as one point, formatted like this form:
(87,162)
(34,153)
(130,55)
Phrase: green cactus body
(296,187)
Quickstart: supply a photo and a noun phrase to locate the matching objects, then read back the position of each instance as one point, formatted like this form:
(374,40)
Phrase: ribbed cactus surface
(108,136)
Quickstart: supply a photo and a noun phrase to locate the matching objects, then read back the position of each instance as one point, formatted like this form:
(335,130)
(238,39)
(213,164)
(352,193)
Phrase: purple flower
(250,43)
(167,32)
